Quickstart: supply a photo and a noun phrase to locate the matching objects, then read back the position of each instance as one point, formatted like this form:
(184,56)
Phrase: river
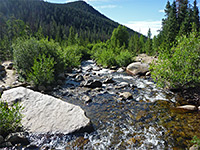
(148,120)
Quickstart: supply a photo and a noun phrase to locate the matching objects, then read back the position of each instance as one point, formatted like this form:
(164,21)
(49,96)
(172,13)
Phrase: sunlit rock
(187,107)
(46,114)
(137,68)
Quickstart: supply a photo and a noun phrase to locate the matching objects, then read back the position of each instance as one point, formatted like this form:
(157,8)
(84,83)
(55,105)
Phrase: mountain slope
(56,19)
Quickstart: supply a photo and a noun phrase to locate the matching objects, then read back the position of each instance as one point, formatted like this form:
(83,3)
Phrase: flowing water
(147,121)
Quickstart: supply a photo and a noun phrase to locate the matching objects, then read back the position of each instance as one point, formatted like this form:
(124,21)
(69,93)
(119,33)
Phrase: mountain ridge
(56,19)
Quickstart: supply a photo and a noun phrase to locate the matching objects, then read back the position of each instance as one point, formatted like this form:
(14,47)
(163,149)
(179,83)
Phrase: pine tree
(141,44)
(71,38)
(131,44)
(136,43)
(148,44)
(195,15)
(120,37)
(170,28)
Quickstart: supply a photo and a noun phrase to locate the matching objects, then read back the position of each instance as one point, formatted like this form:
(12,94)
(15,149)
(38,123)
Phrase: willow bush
(181,68)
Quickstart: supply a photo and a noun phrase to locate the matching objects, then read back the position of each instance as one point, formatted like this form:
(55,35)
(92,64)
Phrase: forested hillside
(55,20)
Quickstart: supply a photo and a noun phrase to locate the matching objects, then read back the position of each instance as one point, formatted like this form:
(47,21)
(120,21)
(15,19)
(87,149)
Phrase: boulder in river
(93,84)
(126,95)
(187,107)
(137,68)
(46,114)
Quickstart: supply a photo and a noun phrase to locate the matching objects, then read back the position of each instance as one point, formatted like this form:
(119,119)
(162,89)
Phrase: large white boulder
(137,68)
(46,114)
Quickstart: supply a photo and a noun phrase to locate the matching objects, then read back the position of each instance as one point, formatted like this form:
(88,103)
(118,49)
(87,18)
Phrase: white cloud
(106,6)
(162,11)
(143,26)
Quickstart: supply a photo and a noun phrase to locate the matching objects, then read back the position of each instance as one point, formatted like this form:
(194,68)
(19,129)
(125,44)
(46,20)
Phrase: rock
(120,70)
(17,138)
(6,144)
(2,73)
(108,80)
(96,69)
(49,88)
(194,147)
(93,84)
(2,68)
(31,146)
(46,114)
(41,88)
(60,82)
(122,85)
(86,98)
(1,90)
(61,76)
(1,139)
(113,67)
(187,107)
(9,66)
(126,95)
(79,78)
(144,58)
(148,73)
(137,68)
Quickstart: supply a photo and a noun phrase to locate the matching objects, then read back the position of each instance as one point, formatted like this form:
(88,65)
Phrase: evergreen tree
(71,38)
(170,28)
(195,15)
(182,11)
(141,44)
(131,45)
(148,44)
(136,43)
(120,37)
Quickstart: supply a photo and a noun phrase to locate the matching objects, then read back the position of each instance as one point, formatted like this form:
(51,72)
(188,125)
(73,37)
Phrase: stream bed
(147,120)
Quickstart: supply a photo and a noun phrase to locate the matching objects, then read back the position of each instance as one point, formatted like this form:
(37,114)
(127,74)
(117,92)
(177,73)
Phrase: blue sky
(139,15)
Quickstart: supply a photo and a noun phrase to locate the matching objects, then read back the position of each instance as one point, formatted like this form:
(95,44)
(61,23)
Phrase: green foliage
(124,58)
(25,50)
(179,17)
(108,56)
(10,118)
(56,20)
(42,72)
(120,37)
(148,45)
(196,140)
(181,68)
(72,56)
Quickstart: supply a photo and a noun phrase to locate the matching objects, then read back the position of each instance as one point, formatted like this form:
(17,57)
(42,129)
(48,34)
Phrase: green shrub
(124,58)
(72,56)
(181,69)
(42,72)
(10,118)
(107,55)
(25,50)
(106,58)
(196,140)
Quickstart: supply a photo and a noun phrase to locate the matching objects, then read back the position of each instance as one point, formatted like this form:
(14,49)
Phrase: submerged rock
(86,98)
(46,114)
(1,139)
(108,80)
(17,138)
(93,84)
